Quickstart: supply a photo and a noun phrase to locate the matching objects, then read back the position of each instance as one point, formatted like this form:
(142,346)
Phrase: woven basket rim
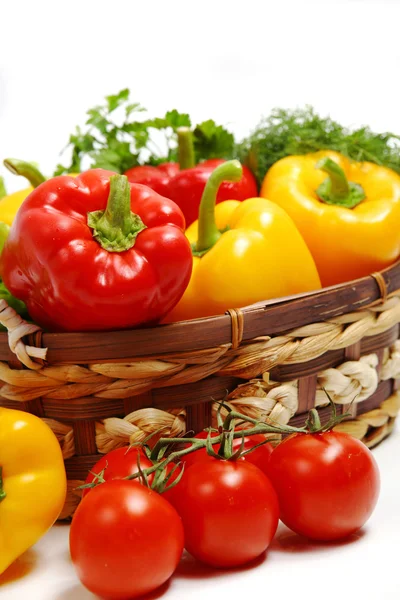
(263,318)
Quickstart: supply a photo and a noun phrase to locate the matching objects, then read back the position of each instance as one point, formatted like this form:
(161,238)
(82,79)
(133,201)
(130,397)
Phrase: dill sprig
(299,131)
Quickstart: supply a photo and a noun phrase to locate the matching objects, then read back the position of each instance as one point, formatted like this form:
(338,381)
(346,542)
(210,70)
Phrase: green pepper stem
(208,233)
(3,191)
(25,169)
(185,148)
(117,227)
(336,189)
(2,492)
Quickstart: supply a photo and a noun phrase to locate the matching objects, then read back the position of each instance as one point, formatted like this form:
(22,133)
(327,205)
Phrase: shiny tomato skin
(258,457)
(229,511)
(118,464)
(327,484)
(125,540)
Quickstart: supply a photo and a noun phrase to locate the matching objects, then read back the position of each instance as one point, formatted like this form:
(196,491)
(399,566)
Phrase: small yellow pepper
(244,252)
(350,220)
(32,482)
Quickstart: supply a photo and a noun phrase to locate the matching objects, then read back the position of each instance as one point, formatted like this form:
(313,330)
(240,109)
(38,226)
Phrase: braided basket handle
(17,329)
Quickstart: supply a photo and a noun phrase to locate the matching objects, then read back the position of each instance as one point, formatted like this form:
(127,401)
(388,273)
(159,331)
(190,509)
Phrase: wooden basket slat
(260,319)
(333,358)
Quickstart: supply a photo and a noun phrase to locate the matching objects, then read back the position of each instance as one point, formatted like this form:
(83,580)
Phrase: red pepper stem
(25,169)
(208,233)
(2,492)
(185,148)
(117,227)
(336,189)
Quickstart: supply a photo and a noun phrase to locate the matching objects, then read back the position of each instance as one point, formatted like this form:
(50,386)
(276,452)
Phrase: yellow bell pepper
(244,252)
(350,220)
(32,482)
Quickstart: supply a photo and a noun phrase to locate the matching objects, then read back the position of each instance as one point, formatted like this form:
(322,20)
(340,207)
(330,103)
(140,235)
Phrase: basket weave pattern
(344,341)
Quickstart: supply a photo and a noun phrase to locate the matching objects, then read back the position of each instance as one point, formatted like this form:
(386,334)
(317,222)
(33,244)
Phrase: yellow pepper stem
(209,233)
(25,169)
(3,191)
(2,492)
(336,189)
(185,148)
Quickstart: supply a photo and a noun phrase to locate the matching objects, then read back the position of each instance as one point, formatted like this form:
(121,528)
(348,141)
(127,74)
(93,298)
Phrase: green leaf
(175,119)
(97,120)
(114,101)
(157,123)
(134,107)
(212,141)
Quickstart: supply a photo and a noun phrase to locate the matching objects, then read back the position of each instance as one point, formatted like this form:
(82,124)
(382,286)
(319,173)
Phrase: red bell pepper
(185,187)
(157,178)
(96,253)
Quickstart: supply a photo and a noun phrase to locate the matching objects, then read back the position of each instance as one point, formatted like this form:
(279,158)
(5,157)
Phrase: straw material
(94,406)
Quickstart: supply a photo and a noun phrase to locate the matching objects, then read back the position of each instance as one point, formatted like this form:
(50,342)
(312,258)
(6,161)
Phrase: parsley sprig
(118,136)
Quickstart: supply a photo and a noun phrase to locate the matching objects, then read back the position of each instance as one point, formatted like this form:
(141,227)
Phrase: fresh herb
(291,132)
(117,137)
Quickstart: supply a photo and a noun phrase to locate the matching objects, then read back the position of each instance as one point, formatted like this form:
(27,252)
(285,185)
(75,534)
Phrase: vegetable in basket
(347,212)
(96,253)
(184,184)
(244,252)
(32,482)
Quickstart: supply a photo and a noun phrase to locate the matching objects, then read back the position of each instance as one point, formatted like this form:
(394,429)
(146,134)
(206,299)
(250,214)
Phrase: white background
(228,60)
(231,61)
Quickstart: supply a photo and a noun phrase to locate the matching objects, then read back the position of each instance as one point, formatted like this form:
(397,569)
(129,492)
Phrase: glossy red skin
(125,540)
(259,457)
(157,178)
(69,282)
(186,187)
(229,511)
(118,464)
(327,484)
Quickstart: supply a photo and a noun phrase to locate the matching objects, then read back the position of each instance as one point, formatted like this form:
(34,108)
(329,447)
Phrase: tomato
(229,511)
(118,464)
(258,457)
(327,484)
(125,540)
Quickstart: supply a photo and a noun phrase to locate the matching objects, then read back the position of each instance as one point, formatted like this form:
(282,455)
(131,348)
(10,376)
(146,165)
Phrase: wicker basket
(100,391)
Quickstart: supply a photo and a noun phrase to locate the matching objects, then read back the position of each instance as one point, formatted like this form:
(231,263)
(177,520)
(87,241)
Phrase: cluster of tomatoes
(127,539)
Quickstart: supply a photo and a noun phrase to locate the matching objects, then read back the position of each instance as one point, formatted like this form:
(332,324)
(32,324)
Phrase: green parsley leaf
(113,102)
(212,141)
